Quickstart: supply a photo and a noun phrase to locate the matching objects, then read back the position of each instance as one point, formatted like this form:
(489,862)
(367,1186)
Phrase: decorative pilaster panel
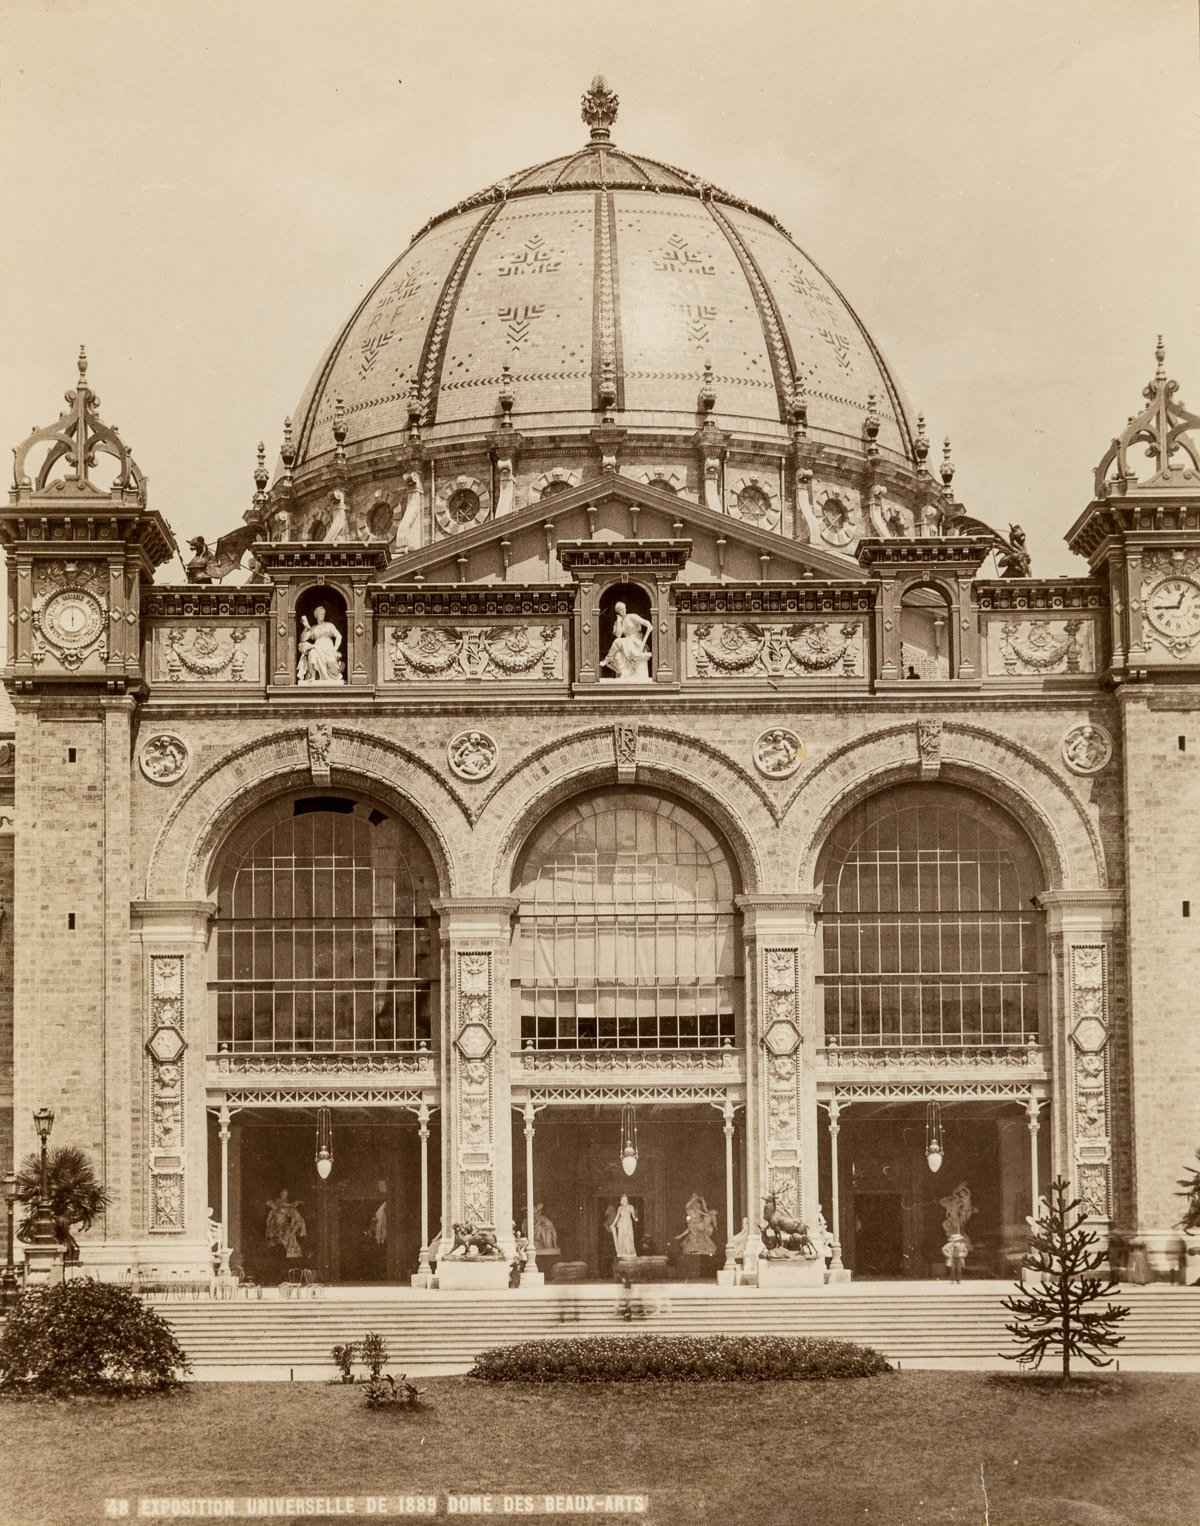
(1090,1081)
(781,1124)
(477,1128)
(165,1045)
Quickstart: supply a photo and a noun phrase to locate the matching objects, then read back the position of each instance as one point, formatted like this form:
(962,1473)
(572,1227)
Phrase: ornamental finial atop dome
(599,108)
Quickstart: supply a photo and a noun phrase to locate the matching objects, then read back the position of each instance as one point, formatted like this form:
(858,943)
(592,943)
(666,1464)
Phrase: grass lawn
(905,1448)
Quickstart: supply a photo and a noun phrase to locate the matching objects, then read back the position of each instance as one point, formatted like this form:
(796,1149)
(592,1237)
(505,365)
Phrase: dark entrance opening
(879,1232)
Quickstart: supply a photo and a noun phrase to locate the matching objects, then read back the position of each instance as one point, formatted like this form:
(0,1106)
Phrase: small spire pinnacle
(598,108)
(947,464)
(261,475)
(339,429)
(287,451)
(708,392)
(82,363)
(1160,357)
(921,443)
(508,396)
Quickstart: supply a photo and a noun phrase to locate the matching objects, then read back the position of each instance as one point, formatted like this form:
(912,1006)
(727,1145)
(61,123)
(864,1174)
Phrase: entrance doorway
(361,1225)
(578,1181)
(879,1233)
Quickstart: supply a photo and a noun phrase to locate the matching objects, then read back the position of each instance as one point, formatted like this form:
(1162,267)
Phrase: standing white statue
(619,1222)
(701,1221)
(320,648)
(545,1235)
(629,655)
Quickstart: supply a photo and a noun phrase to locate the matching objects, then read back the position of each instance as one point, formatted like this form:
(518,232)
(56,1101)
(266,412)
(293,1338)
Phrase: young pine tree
(1057,1312)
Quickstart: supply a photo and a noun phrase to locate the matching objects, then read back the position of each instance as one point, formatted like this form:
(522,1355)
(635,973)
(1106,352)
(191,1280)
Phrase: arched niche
(926,633)
(620,636)
(322,657)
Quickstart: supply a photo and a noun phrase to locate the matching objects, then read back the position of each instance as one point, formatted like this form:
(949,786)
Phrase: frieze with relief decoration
(206,654)
(1032,648)
(798,649)
(509,652)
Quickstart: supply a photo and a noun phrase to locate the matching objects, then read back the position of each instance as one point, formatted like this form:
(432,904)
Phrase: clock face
(1173,607)
(72,618)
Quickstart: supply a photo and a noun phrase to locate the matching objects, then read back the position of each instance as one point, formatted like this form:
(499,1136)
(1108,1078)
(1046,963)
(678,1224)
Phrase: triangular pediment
(519,546)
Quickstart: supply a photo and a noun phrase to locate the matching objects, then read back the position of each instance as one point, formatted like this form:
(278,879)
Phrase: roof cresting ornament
(598,108)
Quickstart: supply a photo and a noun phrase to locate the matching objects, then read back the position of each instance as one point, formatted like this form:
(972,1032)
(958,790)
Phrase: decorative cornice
(660,556)
(809,597)
(246,602)
(321,556)
(464,601)
(957,553)
(1048,594)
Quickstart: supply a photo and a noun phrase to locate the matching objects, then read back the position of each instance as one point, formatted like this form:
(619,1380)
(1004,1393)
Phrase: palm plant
(1189,1186)
(76,1196)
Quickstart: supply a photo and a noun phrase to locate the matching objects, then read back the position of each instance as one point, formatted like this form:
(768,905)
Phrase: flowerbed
(677,1358)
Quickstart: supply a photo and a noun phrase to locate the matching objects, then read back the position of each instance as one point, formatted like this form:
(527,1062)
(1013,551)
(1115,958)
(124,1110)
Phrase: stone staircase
(929,1325)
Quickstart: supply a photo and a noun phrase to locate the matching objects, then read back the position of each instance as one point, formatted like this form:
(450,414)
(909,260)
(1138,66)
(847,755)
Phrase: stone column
(1083,927)
(223,1135)
(781,1124)
(837,1271)
(531,1276)
(475,1045)
(422,1277)
(171,1172)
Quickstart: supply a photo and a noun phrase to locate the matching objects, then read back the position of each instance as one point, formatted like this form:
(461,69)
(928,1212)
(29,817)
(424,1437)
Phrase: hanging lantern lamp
(324,1143)
(629,1149)
(934,1146)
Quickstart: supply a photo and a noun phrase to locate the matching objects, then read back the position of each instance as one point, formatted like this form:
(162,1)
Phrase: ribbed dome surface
(601,270)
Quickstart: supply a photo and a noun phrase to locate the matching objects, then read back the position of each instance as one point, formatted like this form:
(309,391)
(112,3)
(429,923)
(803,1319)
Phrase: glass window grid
(927,937)
(628,937)
(319,946)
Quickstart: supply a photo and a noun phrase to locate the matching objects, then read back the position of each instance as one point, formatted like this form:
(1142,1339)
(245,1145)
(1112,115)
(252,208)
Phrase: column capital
(475,916)
(784,914)
(1086,910)
(172,921)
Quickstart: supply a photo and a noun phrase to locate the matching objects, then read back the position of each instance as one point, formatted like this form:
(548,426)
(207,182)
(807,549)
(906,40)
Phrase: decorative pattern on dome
(1165,428)
(599,108)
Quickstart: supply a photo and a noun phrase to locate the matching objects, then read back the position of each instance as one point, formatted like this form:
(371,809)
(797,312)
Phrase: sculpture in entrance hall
(545,1236)
(619,1222)
(285,1225)
(959,1210)
(319,650)
(472,1244)
(784,1238)
(629,655)
(701,1221)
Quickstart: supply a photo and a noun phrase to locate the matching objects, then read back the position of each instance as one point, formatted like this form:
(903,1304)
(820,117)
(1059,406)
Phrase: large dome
(604,281)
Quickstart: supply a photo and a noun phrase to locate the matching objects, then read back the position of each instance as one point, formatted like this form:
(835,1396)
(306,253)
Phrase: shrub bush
(85,1336)
(343,1357)
(677,1358)
(387,1392)
(374,1352)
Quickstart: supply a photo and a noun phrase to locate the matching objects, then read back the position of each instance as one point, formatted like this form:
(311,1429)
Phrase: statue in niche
(701,1221)
(545,1235)
(285,1225)
(619,1222)
(320,648)
(629,655)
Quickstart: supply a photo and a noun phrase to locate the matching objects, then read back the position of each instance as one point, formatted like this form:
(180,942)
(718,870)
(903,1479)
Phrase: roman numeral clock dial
(1173,608)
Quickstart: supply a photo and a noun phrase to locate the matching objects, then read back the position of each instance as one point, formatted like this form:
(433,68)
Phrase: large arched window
(928,932)
(322,934)
(627,929)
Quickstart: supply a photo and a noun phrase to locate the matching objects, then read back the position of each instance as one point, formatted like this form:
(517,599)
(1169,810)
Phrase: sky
(201,192)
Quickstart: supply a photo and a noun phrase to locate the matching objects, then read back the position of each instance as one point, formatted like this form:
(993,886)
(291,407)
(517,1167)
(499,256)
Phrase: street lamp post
(42,1230)
(9,1288)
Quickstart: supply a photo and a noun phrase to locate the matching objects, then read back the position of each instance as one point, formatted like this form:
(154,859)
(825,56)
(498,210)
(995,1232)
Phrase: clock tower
(1142,534)
(81,544)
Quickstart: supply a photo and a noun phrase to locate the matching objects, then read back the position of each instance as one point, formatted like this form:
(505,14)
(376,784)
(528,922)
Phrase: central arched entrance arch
(627,969)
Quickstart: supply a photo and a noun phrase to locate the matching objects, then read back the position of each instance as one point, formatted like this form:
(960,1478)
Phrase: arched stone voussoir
(245,777)
(692,770)
(1012,776)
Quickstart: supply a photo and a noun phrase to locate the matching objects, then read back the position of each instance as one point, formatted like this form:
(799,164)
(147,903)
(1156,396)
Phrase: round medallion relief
(73,618)
(472,754)
(778,752)
(1086,748)
(164,758)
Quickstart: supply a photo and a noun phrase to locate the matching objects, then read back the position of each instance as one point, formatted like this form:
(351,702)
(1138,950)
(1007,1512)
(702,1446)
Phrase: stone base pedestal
(727,1277)
(532,1278)
(423,1277)
(838,1274)
(790,1274)
(472,1274)
(43,1265)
